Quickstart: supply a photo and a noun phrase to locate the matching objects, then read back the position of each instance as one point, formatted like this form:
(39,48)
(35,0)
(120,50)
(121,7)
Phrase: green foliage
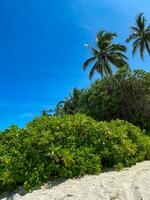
(124,96)
(140,36)
(71,105)
(68,146)
(106,55)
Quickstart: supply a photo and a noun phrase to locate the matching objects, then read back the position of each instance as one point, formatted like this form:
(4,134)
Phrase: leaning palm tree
(140,36)
(105,55)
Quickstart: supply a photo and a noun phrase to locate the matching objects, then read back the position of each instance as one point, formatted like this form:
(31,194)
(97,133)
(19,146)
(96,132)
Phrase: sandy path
(129,184)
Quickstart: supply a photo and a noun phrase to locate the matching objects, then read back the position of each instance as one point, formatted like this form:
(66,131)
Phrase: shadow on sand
(22,192)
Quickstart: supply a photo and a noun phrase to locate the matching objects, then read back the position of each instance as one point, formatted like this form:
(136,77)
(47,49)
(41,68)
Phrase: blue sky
(42,51)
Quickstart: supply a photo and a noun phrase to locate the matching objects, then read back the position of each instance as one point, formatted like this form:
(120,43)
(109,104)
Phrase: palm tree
(140,36)
(105,55)
(70,105)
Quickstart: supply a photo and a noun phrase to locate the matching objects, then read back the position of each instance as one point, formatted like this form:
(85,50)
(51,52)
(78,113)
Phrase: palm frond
(136,29)
(118,47)
(148,29)
(109,36)
(94,51)
(117,61)
(107,69)
(140,21)
(100,70)
(142,46)
(107,54)
(100,35)
(147,36)
(104,39)
(131,37)
(140,36)
(119,54)
(147,44)
(135,46)
(88,62)
(94,68)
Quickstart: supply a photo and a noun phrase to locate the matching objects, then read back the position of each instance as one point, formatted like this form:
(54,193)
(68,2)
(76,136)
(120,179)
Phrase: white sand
(129,184)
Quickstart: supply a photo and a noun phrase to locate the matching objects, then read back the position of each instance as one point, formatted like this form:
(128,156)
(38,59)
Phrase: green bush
(124,96)
(70,146)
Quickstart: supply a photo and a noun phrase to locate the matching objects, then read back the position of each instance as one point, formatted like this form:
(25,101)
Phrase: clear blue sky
(41,49)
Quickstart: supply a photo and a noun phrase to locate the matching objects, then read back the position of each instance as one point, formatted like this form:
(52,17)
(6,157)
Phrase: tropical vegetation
(126,95)
(105,125)
(140,36)
(68,146)
(105,55)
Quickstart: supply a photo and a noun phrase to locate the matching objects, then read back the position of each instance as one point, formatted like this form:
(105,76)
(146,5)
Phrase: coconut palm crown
(140,36)
(106,55)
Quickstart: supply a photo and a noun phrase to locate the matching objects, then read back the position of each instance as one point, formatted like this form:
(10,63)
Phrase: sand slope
(129,184)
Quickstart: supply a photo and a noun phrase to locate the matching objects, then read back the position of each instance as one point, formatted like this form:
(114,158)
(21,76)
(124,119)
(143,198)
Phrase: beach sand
(128,184)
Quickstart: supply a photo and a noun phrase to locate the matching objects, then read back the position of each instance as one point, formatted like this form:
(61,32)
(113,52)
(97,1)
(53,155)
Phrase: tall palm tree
(105,55)
(140,36)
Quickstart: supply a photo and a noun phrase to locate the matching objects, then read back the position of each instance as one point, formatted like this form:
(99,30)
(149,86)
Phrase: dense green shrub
(123,96)
(70,146)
